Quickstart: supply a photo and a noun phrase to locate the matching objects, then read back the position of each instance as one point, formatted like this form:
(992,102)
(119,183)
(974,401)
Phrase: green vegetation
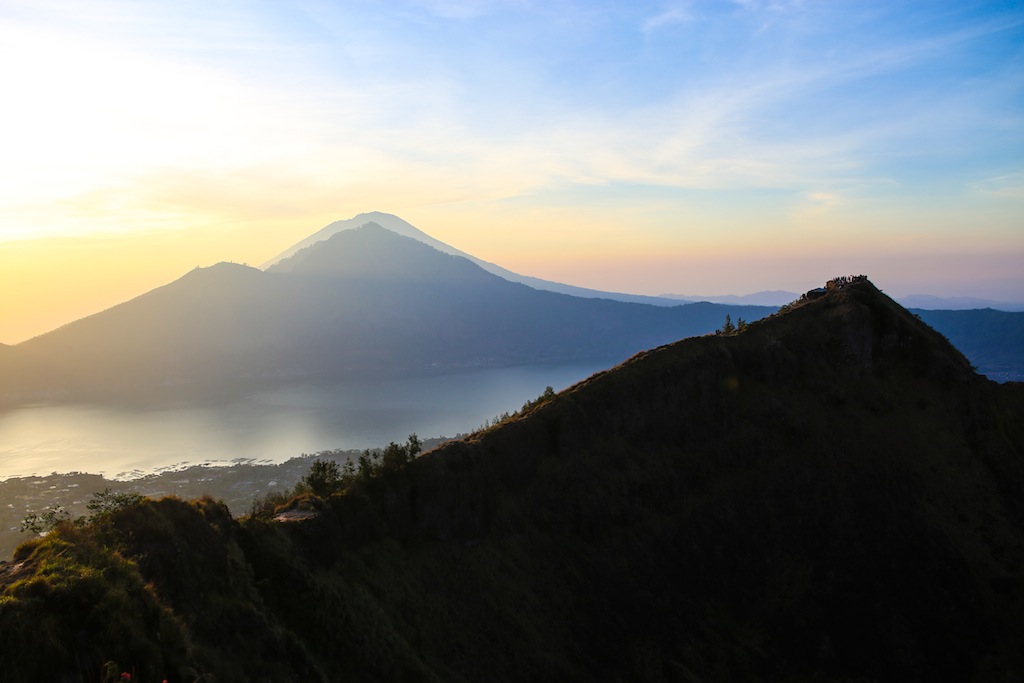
(237,485)
(45,521)
(74,608)
(728,328)
(326,477)
(544,397)
(102,505)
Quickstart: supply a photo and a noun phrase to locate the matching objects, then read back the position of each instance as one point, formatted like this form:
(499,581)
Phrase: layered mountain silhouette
(359,298)
(830,495)
(401,227)
(365,301)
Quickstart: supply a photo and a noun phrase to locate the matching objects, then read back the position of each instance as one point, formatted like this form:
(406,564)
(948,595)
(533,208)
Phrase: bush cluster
(103,505)
(327,477)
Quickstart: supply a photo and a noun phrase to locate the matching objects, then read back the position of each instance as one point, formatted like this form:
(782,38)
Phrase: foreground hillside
(830,495)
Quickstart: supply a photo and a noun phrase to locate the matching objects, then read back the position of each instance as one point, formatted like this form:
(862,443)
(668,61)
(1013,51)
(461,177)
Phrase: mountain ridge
(831,494)
(227,330)
(364,301)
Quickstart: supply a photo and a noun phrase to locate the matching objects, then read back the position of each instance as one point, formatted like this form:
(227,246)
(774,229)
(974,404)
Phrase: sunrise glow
(653,147)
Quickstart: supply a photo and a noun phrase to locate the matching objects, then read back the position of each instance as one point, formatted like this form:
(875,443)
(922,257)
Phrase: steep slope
(830,495)
(184,333)
(364,302)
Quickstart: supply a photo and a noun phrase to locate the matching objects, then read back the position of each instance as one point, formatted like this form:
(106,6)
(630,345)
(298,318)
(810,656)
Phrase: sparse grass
(87,605)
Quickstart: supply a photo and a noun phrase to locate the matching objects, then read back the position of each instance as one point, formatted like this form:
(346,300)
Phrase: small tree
(323,478)
(263,507)
(348,472)
(107,502)
(367,464)
(102,505)
(414,445)
(396,457)
(728,327)
(545,396)
(45,521)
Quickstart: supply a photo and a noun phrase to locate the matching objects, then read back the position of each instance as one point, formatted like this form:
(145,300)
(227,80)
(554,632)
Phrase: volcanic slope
(401,227)
(830,495)
(364,302)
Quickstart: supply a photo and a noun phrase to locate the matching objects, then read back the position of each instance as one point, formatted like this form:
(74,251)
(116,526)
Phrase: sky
(677,146)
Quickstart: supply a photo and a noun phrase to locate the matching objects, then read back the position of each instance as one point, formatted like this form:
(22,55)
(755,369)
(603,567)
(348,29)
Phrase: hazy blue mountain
(401,227)
(385,220)
(776,297)
(956,303)
(193,331)
(992,340)
(367,301)
(364,302)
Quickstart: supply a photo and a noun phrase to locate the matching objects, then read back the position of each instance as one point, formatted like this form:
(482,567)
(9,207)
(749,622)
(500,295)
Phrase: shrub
(323,478)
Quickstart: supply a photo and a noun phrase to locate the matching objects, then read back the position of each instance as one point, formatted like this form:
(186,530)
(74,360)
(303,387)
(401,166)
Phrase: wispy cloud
(195,113)
(1010,186)
(460,9)
(770,5)
(674,13)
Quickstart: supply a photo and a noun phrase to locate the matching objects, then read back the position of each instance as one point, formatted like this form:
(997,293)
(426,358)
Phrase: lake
(270,426)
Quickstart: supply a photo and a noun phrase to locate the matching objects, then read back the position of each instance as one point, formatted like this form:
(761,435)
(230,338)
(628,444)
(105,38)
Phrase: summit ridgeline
(829,494)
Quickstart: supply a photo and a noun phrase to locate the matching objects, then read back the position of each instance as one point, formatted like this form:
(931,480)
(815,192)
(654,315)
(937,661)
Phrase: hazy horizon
(682,146)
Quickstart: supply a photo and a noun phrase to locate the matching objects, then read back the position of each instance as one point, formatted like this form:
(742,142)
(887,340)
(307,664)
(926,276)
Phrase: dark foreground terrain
(831,494)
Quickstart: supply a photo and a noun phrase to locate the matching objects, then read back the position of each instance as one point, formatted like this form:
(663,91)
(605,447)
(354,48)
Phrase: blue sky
(688,147)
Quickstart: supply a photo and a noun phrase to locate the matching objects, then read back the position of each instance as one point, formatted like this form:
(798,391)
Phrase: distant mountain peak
(401,227)
(372,252)
(379,218)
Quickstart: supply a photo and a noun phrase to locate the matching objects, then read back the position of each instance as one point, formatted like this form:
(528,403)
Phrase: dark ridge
(831,494)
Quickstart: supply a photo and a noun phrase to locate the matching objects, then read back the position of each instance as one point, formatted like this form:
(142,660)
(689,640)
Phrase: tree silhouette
(323,478)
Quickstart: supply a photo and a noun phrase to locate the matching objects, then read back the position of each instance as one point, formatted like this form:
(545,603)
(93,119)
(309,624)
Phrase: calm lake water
(271,427)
